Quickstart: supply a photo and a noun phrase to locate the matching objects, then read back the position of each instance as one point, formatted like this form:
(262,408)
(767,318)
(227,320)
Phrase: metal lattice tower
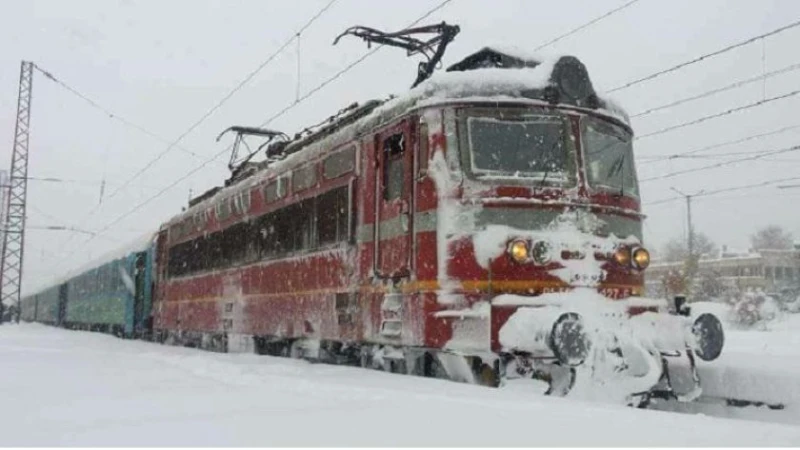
(14,225)
(3,205)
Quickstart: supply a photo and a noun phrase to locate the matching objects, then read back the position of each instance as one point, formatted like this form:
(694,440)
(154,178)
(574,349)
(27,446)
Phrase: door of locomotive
(394,202)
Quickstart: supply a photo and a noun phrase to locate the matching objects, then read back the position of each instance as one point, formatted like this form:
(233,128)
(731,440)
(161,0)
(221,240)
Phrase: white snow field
(61,387)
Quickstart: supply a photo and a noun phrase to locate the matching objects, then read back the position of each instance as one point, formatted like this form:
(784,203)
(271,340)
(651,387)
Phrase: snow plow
(606,347)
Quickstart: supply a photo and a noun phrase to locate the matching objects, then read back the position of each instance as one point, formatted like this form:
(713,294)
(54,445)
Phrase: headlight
(641,258)
(623,256)
(518,251)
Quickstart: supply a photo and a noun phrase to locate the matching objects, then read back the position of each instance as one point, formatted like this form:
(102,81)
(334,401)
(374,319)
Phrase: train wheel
(640,401)
(488,376)
(560,379)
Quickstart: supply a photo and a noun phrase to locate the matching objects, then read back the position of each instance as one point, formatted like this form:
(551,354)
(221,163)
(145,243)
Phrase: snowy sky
(164,64)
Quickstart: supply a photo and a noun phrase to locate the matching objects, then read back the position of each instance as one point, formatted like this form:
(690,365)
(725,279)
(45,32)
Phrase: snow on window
(223,209)
(608,150)
(304,178)
(276,189)
(339,163)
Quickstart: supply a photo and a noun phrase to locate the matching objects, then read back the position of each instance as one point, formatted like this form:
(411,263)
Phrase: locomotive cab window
(522,146)
(394,148)
(608,150)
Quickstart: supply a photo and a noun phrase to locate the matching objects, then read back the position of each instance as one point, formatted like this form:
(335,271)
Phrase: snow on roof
(139,244)
(489,84)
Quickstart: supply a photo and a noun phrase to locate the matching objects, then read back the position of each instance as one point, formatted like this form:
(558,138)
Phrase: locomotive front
(541,227)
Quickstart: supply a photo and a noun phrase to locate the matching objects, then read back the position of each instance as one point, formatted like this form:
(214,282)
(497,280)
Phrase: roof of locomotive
(492,74)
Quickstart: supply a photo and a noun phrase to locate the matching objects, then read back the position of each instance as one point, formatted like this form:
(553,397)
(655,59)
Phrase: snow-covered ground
(762,364)
(73,388)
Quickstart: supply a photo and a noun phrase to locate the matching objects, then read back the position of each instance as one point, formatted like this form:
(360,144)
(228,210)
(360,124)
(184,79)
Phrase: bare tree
(772,237)
(676,249)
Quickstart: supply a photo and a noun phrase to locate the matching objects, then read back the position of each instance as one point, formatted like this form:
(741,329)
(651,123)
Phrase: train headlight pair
(638,257)
(521,251)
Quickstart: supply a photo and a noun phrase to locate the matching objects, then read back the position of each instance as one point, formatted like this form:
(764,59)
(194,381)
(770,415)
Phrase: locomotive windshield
(531,146)
(608,151)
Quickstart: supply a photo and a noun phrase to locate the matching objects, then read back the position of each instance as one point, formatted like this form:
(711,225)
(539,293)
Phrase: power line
(723,164)
(46,214)
(585,25)
(729,154)
(718,90)
(727,189)
(239,86)
(723,144)
(227,97)
(83,182)
(720,114)
(59,228)
(705,56)
(111,115)
(346,69)
(217,155)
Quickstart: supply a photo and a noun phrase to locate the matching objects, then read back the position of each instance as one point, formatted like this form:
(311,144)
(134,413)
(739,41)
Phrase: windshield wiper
(547,168)
(618,166)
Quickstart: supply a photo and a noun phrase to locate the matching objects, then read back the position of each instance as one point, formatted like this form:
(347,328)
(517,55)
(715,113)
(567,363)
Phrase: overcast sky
(163,64)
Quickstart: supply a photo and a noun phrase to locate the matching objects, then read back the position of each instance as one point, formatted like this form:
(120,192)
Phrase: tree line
(771,237)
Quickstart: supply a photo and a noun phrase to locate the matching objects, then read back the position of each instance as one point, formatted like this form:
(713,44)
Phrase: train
(483,227)
(113,294)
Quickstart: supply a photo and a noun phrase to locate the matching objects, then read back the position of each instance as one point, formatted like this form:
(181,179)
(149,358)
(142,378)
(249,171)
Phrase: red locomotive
(484,226)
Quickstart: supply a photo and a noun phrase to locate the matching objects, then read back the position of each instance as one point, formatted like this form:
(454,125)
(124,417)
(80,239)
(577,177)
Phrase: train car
(28,306)
(487,225)
(111,294)
(49,305)
(114,294)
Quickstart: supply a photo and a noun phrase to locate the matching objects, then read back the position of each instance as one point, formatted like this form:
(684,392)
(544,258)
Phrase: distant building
(770,270)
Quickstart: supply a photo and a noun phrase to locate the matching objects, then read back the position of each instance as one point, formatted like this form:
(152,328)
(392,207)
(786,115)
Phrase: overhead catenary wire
(721,144)
(728,87)
(717,115)
(725,156)
(726,189)
(175,143)
(706,56)
(585,25)
(111,115)
(218,154)
(225,98)
(760,155)
(82,182)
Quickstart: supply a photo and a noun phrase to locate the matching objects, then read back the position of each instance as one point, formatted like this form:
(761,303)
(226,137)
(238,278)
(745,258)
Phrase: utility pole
(691,260)
(14,224)
(689,229)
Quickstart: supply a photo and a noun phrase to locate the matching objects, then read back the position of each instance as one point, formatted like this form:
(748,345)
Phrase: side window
(304,225)
(304,178)
(223,209)
(276,189)
(394,164)
(241,202)
(339,163)
(199,221)
(332,214)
